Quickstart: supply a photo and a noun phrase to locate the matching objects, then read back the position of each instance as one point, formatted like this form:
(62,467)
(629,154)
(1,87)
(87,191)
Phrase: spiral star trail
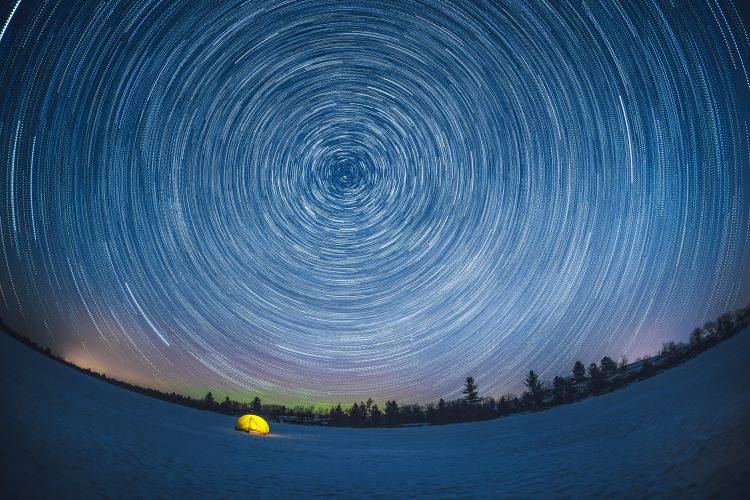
(317,201)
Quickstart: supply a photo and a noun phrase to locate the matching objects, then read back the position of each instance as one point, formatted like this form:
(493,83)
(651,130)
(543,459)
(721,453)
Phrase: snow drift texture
(684,432)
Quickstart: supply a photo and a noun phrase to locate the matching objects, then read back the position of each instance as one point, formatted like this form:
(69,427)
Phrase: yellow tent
(252,424)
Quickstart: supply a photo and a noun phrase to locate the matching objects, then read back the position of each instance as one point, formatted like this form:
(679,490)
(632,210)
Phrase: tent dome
(252,424)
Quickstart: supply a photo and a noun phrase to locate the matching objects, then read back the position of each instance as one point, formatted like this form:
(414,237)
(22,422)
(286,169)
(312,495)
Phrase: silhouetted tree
(470,390)
(255,405)
(579,372)
(337,416)
(391,413)
(558,389)
(503,406)
(376,416)
(431,413)
(411,414)
(367,408)
(226,405)
(597,379)
(608,365)
(355,415)
(405,414)
(209,398)
(487,409)
(440,414)
(535,389)
(696,338)
(562,390)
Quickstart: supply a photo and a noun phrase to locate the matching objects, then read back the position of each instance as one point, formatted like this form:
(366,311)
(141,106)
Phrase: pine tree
(503,406)
(391,413)
(376,416)
(579,372)
(367,408)
(535,389)
(355,415)
(608,365)
(561,390)
(695,338)
(226,405)
(338,417)
(470,390)
(255,405)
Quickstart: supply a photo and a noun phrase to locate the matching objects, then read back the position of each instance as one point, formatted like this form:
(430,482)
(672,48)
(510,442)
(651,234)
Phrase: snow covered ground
(685,432)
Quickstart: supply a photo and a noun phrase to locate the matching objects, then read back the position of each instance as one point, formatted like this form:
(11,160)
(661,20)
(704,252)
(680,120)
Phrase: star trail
(321,201)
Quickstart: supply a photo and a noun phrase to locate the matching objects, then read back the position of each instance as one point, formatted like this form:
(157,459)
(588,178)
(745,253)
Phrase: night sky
(317,202)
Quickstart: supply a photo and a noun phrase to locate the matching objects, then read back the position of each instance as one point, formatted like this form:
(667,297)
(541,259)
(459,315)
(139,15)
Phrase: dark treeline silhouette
(582,382)
(598,378)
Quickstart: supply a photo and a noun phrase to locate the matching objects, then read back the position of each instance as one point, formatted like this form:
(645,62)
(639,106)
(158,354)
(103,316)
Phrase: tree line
(582,382)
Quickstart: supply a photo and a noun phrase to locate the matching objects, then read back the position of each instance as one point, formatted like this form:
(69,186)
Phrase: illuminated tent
(252,424)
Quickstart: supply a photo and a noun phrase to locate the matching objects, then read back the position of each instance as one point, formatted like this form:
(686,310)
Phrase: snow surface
(685,432)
